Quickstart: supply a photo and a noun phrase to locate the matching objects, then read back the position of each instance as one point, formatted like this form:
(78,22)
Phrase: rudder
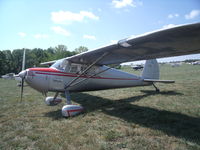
(151,69)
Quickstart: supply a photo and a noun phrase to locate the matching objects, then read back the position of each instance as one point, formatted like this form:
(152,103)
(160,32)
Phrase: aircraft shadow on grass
(171,123)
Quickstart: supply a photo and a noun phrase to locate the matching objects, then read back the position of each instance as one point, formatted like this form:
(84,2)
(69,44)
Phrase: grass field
(129,118)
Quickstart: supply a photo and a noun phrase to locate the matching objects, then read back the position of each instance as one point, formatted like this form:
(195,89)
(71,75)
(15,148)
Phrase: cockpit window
(62,65)
(66,66)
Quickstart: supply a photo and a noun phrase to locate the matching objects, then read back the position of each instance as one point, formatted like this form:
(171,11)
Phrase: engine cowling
(51,102)
(71,110)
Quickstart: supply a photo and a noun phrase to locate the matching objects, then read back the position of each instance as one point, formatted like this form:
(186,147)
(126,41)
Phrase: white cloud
(22,34)
(122,3)
(91,37)
(60,30)
(170,16)
(67,17)
(193,14)
(40,36)
(169,26)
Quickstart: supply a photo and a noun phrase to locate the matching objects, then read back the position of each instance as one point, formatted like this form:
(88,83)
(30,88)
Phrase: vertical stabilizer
(151,69)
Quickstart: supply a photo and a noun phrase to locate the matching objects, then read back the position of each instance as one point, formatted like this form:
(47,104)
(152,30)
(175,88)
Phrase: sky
(91,23)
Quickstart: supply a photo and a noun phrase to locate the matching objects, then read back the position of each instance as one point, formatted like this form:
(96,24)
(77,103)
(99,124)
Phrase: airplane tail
(151,70)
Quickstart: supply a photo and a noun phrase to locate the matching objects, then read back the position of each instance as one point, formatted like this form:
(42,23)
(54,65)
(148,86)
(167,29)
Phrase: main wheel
(51,102)
(71,110)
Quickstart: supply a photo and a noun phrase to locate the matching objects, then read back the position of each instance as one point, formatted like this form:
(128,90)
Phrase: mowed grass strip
(129,118)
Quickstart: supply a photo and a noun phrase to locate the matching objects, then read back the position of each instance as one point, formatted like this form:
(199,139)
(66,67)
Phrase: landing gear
(68,98)
(69,109)
(52,101)
(157,89)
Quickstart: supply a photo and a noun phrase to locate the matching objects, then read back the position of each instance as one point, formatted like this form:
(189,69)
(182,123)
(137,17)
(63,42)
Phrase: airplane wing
(179,40)
(48,62)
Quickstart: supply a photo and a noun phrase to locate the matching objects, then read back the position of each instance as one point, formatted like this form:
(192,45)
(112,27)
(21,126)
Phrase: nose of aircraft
(22,74)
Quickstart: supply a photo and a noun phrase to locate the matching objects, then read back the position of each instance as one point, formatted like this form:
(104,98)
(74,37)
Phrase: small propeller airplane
(88,71)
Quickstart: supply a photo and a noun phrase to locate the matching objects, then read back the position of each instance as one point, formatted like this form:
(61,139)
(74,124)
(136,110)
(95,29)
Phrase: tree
(81,49)
(8,61)
(40,54)
(18,58)
(12,61)
(61,48)
(2,63)
(60,51)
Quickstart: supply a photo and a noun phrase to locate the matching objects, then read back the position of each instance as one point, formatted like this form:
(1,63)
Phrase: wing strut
(97,60)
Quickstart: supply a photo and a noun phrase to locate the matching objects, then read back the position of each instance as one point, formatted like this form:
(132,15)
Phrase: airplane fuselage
(51,79)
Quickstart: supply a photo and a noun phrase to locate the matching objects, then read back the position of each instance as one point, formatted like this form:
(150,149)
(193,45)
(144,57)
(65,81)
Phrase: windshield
(61,64)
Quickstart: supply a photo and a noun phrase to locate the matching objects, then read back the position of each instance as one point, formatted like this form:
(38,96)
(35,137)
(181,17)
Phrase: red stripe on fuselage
(47,70)
(73,110)
(54,72)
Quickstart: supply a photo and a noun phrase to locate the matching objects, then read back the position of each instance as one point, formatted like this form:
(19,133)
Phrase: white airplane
(88,71)
(8,76)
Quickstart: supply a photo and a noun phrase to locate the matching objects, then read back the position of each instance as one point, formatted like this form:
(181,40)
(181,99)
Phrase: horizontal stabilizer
(161,81)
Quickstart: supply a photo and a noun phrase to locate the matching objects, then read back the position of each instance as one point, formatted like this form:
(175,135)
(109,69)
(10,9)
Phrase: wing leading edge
(180,40)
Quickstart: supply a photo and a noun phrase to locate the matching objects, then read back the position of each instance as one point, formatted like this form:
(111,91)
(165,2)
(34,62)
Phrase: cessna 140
(88,71)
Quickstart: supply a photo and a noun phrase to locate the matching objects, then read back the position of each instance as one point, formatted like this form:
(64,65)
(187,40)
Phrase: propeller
(22,75)
(22,89)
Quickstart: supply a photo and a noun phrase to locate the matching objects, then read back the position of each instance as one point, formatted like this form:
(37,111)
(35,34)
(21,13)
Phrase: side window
(93,70)
(83,67)
(74,69)
(79,68)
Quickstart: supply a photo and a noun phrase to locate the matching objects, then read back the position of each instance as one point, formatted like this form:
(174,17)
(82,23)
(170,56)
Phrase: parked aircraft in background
(138,67)
(176,64)
(8,76)
(196,63)
(88,71)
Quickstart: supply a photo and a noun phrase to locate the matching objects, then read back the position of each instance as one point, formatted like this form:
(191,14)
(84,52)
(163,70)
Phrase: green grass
(129,118)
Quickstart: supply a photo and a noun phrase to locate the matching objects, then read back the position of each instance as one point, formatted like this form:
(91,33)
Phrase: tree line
(11,61)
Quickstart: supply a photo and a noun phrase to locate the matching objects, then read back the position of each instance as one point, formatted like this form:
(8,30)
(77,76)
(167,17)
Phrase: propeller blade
(23,61)
(22,74)
(22,88)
